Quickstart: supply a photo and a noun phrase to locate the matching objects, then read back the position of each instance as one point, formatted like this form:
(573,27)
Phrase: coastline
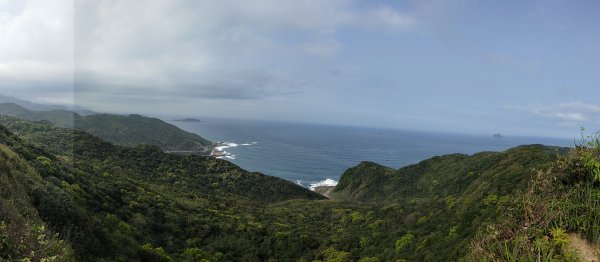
(217,150)
(323,187)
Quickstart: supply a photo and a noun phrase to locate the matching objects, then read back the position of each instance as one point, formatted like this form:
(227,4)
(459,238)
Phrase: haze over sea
(311,154)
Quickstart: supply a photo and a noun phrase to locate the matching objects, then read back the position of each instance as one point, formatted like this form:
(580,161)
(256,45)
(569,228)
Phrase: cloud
(248,84)
(578,105)
(325,47)
(567,114)
(37,43)
(215,49)
(388,17)
(569,117)
(211,49)
(36,50)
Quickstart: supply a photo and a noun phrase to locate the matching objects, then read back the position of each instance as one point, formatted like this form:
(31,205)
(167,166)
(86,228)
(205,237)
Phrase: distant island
(498,136)
(188,119)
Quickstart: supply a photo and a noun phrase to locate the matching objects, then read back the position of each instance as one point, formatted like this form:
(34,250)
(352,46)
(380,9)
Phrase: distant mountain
(63,118)
(31,105)
(123,130)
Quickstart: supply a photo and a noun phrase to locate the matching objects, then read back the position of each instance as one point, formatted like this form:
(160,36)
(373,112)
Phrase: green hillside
(68,195)
(530,203)
(135,130)
(23,232)
(446,199)
(127,130)
(57,117)
(499,173)
(109,201)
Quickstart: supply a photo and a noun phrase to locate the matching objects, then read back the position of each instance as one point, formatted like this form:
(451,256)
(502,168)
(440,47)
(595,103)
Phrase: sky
(464,66)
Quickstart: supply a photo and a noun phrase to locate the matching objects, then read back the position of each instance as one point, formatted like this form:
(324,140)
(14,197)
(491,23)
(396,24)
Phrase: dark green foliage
(140,204)
(560,200)
(58,117)
(135,130)
(22,231)
(127,130)
(445,199)
(448,175)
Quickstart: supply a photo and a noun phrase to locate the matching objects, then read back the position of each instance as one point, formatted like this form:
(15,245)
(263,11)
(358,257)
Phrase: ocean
(313,155)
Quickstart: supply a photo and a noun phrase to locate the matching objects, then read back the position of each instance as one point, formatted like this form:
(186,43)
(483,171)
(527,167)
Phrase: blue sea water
(309,154)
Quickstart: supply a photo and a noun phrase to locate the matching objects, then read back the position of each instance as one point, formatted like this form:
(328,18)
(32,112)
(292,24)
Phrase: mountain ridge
(91,199)
(129,130)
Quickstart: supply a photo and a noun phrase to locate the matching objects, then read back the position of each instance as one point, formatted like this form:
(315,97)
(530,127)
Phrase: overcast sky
(513,67)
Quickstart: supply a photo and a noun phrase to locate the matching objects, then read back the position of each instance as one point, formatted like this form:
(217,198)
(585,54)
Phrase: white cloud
(569,117)
(204,49)
(567,114)
(214,48)
(578,105)
(35,34)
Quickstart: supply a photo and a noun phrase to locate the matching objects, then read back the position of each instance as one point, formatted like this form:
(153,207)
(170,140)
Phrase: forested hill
(68,195)
(458,175)
(128,130)
(120,203)
(529,203)
(446,199)
(189,172)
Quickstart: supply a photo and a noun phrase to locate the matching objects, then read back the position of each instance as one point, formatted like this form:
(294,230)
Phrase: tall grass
(564,198)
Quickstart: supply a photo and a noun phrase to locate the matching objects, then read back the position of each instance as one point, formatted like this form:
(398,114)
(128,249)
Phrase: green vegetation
(562,199)
(69,195)
(127,130)
(22,231)
(62,118)
(123,203)
(136,130)
(445,200)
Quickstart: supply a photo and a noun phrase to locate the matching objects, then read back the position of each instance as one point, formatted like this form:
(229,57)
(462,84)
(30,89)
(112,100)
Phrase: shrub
(405,241)
(564,198)
(149,253)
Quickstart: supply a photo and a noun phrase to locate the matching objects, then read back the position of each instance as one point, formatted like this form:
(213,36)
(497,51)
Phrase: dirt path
(587,252)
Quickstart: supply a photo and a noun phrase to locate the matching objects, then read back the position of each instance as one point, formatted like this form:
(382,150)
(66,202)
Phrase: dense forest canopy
(69,195)
(129,130)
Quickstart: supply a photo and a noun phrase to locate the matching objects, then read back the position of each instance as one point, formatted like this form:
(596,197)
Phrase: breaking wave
(326,182)
(220,152)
